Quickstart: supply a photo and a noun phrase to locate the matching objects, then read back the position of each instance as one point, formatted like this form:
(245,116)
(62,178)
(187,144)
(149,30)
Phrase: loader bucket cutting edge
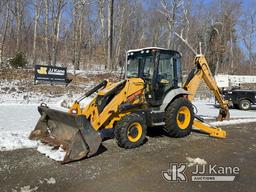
(71,132)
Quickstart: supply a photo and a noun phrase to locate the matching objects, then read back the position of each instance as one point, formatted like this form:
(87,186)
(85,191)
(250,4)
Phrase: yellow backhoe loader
(151,95)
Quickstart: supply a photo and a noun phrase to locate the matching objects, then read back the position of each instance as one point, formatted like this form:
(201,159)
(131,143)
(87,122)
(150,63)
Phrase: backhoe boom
(202,71)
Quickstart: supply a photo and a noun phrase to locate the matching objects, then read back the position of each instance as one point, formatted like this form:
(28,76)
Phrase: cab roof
(151,48)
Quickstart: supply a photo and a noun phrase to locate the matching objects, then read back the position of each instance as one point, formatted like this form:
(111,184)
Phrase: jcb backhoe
(151,95)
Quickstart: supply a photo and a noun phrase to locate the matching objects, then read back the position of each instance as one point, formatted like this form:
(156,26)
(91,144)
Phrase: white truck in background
(231,81)
(230,86)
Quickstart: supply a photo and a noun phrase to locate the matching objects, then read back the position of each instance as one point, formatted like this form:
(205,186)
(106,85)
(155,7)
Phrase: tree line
(83,33)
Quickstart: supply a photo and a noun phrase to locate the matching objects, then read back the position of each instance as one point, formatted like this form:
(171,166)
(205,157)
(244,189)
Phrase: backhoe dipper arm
(202,71)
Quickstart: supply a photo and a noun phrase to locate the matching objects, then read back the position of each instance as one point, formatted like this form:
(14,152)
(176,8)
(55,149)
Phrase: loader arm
(105,109)
(202,71)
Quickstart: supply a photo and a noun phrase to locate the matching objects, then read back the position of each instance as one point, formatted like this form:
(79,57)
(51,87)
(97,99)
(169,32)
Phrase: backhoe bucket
(223,115)
(71,132)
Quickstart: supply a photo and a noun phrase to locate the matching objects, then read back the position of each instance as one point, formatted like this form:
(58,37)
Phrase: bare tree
(101,4)
(170,11)
(18,13)
(37,7)
(56,28)
(248,35)
(213,46)
(184,34)
(6,25)
(122,19)
(82,32)
(77,14)
(46,31)
(110,34)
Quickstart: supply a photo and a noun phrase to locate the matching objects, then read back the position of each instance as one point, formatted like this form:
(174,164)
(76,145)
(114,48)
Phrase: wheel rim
(245,105)
(134,132)
(183,117)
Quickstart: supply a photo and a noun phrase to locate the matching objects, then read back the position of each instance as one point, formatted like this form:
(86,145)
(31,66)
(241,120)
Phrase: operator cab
(159,68)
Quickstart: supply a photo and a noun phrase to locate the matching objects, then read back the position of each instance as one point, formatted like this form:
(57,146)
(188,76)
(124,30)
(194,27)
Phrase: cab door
(168,75)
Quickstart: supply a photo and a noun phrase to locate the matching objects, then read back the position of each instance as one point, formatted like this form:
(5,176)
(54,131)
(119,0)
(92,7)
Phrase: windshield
(133,67)
(140,65)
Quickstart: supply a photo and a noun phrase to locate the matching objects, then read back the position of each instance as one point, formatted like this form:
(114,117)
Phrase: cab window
(165,70)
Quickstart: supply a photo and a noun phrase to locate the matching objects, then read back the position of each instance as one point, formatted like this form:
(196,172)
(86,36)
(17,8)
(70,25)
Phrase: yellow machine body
(131,93)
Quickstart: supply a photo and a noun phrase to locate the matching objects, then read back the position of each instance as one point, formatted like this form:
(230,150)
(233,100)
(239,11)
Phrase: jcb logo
(42,71)
(175,172)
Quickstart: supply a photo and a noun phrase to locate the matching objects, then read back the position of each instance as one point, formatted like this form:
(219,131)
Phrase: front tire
(130,131)
(179,118)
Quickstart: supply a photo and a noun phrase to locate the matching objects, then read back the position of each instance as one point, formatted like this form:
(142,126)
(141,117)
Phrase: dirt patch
(139,169)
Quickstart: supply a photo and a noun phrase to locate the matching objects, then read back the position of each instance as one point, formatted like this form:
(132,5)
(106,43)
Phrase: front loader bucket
(73,133)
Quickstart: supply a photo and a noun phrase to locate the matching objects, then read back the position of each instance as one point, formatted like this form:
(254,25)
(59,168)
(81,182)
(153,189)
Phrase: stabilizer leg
(212,131)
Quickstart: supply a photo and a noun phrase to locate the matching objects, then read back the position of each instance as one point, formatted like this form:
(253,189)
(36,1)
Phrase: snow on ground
(50,152)
(16,123)
(28,189)
(233,122)
(207,110)
(195,161)
(18,120)
(12,92)
(94,69)
(50,180)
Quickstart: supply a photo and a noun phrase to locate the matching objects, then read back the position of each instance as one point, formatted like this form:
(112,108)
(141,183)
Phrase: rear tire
(179,118)
(130,131)
(244,104)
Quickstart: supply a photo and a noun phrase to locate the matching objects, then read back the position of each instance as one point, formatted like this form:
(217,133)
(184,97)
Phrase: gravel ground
(139,169)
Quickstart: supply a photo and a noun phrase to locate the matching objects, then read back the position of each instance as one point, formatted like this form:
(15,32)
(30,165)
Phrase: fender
(172,94)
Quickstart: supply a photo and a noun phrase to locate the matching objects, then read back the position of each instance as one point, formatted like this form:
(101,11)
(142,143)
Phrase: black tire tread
(121,131)
(171,126)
